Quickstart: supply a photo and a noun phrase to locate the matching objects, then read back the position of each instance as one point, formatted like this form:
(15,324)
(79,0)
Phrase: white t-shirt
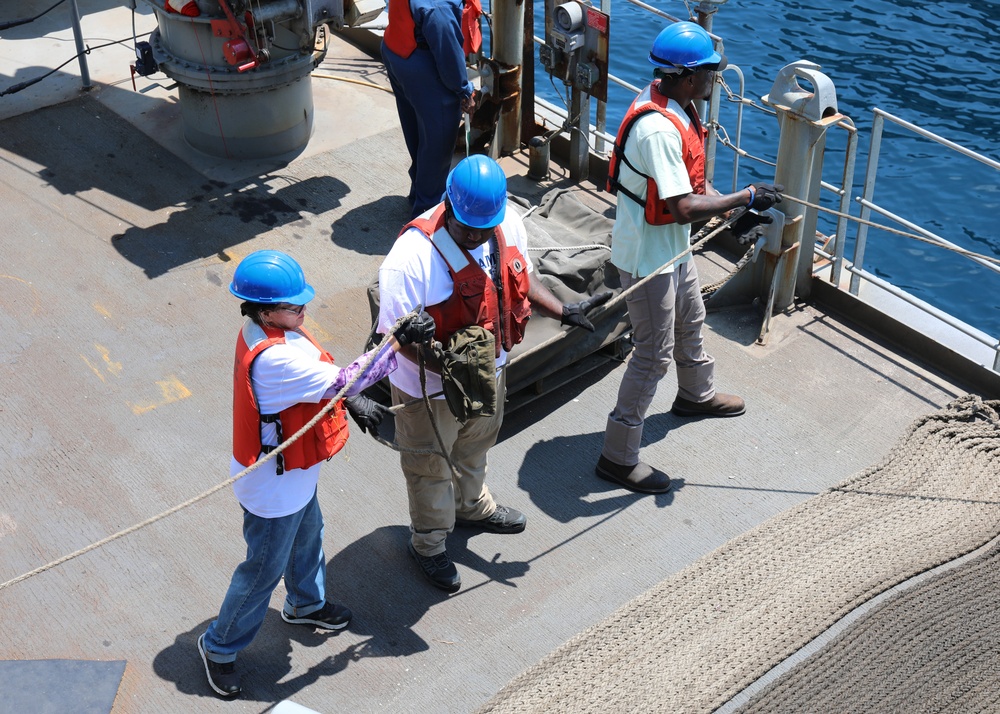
(654,147)
(282,376)
(414,273)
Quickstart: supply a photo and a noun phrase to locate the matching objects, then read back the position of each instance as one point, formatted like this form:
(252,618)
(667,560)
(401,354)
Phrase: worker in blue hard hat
(466,260)
(658,173)
(282,379)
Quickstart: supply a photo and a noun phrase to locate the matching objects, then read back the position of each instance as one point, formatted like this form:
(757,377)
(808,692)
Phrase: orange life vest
(400,37)
(321,442)
(692,146)
(475,298)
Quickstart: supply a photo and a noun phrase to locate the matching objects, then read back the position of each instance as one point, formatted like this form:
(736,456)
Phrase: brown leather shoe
(641,477)
(721,405)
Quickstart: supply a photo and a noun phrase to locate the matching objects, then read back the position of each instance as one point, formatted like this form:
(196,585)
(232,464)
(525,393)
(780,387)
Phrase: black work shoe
(438,569)
(222,676)
(721,405)
(641,477)
(329,617)
(503,520)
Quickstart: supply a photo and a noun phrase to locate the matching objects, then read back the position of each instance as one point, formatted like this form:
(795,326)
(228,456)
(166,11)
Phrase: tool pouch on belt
(468,373)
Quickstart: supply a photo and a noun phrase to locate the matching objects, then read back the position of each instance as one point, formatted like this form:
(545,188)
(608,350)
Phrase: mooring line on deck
(373,355)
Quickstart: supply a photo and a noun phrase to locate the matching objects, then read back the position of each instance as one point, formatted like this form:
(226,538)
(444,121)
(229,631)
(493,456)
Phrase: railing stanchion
(74,12)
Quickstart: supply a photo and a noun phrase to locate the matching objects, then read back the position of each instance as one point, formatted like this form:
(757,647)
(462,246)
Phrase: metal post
(867,194)
(602,107)
(74,12)
(704,11)
(803,117)
(579,147)
(601,126)
(845,201)
(508,36)
(528,74)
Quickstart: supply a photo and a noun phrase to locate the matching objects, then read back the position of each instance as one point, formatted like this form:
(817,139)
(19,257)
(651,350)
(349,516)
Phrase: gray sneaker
(503,520)
(438,569)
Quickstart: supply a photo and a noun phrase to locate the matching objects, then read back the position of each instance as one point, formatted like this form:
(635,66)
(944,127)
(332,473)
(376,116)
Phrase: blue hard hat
(477,190)
(270,276)
(685,45)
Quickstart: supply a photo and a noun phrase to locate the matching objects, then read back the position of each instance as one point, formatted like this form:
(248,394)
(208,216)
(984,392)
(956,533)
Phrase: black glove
(416,330)
(575,314)
(367,413)
(765,195)
(749,227)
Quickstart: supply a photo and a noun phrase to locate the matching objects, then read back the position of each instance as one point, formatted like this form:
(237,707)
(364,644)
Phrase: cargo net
(701,637)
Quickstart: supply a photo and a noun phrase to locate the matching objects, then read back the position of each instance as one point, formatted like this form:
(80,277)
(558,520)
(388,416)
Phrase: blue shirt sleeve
(439,25)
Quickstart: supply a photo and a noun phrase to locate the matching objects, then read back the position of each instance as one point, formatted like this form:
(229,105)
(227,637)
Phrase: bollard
(538,158)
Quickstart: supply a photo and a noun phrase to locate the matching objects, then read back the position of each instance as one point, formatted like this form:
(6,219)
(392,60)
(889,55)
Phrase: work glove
(764,195)
(749,227)
(575,314)
(416,330)
(366,413)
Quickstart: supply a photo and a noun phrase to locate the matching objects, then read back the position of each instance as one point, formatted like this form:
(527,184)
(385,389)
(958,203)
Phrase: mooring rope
(724,139)
(896,231)
(373,355)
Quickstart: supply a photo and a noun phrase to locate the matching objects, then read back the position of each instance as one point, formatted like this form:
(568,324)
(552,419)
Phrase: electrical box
(576,46)
(549,56)
(587,75)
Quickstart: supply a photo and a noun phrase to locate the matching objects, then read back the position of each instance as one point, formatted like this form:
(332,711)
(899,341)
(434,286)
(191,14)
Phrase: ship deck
(119,246)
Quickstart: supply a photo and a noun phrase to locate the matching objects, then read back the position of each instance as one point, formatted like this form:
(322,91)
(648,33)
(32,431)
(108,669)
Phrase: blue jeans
(291,546)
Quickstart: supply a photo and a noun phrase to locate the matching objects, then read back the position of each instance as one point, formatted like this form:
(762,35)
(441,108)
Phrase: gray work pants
(667,314)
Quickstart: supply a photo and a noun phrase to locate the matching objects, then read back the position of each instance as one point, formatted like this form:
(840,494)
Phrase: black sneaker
(330,617)
(503,520)
(222,676)
(438,569)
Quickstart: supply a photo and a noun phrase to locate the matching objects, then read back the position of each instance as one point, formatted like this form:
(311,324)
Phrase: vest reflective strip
(253,335)
(453,255)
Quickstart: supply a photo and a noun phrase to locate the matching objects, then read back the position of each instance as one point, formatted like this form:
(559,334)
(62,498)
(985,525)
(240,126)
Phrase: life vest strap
(279,461)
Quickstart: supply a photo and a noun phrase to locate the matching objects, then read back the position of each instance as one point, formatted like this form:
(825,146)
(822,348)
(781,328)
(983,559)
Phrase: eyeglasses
(294,309)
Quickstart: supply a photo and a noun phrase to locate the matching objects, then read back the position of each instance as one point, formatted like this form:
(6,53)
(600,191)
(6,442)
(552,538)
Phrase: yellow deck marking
(234,255)
(100,309)
(114,367)
(172,391)
(93,368)
(34,292)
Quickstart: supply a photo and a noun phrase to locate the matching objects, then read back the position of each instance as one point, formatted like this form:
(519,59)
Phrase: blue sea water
(935,64)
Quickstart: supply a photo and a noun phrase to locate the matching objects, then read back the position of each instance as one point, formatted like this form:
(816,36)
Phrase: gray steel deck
(119,243)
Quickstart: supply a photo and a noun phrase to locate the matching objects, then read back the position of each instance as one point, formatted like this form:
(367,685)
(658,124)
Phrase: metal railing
(81,49)
(597,138)
(856,268)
